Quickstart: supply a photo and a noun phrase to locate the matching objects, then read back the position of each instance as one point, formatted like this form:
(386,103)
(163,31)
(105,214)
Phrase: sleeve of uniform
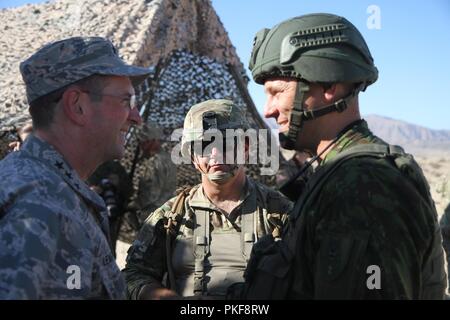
(146,260)
(371,231)
(34,253)
(278,207)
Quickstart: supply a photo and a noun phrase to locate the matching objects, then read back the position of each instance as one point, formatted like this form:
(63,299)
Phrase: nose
(134,117)
(216,155)
(270,109)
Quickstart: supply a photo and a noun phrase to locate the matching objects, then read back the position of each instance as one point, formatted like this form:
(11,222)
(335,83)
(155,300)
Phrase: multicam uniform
(49,221)
(157,181)
(228,240)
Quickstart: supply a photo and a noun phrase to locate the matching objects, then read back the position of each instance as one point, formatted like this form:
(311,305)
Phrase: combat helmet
(314,48)
(204,120)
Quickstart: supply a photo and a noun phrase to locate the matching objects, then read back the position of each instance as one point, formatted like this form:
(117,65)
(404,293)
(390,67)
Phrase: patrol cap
(64,62)
(214,114)
(209,116)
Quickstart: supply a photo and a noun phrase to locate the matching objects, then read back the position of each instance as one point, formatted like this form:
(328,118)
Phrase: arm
(146,261)
(277,209)
(27,250)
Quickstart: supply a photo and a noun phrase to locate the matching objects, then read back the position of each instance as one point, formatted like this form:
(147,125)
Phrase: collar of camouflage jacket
(45,153)
(357,133)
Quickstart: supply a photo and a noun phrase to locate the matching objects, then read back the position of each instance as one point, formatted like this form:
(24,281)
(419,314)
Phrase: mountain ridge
(407,134)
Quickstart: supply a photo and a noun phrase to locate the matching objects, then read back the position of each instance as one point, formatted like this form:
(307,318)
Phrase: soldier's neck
(336,125)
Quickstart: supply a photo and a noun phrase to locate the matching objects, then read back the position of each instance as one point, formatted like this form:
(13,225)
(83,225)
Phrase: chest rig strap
(201,244)
(248,225)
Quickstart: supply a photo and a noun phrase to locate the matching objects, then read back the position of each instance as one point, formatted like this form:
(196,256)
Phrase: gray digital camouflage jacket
(52,231)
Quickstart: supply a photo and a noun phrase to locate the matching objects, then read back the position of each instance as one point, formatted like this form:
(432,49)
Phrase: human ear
(73,107)
(330,93)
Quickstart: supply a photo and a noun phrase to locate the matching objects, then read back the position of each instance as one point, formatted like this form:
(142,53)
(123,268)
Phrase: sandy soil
(436,167)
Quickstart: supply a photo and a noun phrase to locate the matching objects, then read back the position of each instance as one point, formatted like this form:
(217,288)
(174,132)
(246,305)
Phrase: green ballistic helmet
(208,117)
(316,48)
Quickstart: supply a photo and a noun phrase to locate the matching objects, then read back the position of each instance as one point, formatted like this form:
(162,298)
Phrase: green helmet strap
(295,123)
(299,115)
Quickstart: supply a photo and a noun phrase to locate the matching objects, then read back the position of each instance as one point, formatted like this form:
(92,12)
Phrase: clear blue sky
(411,49)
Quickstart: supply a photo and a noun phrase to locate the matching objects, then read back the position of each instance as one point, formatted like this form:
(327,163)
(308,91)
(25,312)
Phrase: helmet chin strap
(287,139)
(299,115)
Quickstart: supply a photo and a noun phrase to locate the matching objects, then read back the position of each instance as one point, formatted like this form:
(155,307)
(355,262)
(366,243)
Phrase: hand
(151,292)
(14,146)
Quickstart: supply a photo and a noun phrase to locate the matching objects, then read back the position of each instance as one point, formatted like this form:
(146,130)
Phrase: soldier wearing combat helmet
(202,238)
(367,209)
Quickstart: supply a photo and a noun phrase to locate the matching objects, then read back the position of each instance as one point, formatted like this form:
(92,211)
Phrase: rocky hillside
(408,135)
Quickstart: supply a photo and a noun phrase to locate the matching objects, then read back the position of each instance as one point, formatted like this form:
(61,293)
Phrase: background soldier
(155,177)
(52,225)
(22,133)
(367,206)
(215,223)
(113,184)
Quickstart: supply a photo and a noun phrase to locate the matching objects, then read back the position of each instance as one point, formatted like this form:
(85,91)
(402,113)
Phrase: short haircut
(42,110)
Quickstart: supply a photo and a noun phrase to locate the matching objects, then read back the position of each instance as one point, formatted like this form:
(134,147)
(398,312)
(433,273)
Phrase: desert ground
(436,168)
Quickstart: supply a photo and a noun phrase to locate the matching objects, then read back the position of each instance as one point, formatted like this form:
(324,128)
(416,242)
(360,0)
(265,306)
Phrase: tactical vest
(269,274)
(200,244)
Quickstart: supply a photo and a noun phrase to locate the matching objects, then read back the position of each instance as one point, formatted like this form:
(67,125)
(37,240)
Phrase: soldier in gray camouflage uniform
(53,228)
(219,221)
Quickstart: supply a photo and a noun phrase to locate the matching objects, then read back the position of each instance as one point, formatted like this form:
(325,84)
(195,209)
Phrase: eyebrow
(273,87)
(127,94)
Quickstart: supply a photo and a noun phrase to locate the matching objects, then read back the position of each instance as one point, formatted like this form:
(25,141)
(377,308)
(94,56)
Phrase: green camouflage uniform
(231,240)
(365,213)
(365,225)
(445,228)
(157,181)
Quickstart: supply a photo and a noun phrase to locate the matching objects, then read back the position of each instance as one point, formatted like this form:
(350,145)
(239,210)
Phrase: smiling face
(111,117)
(212,161)
(280,95)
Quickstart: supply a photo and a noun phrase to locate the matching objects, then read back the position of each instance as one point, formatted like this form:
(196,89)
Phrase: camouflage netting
(144,31)
(184,80)
(184,39)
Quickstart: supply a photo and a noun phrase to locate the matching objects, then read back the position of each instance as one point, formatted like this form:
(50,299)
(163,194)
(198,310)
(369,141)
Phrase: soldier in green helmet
(197,244)
(365,226)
